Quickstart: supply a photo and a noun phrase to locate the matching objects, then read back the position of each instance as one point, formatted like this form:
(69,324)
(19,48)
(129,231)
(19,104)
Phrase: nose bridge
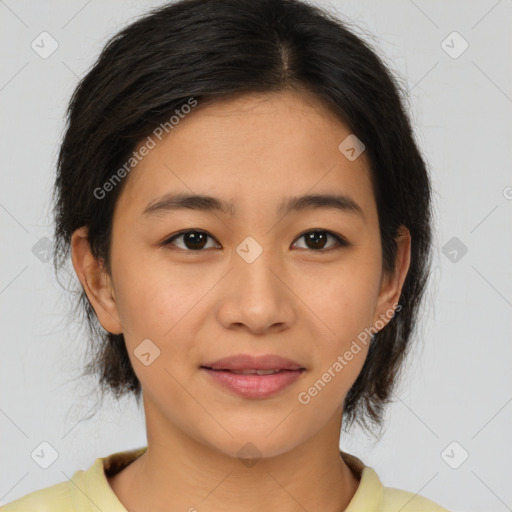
(253,263)
(257,298)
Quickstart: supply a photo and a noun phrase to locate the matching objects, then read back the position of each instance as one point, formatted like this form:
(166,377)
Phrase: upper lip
(249,362)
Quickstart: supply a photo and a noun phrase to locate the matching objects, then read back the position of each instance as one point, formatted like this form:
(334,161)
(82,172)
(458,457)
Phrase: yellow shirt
(89,491)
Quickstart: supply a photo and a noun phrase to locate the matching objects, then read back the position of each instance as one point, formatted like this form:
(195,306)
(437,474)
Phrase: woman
(249,218)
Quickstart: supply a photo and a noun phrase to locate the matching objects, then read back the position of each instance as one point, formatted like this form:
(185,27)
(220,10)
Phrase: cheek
(143,300)
(158,301)
(158,308)
(346,309)
(345,304)
(344,297)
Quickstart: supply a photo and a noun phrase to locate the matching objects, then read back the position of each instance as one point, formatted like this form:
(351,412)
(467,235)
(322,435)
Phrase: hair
(211,50)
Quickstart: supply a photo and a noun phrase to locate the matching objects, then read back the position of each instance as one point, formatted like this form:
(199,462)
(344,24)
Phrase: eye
(317,239)
(194,240)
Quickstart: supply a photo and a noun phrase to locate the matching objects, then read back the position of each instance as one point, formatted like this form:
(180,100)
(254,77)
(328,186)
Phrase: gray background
(457,387)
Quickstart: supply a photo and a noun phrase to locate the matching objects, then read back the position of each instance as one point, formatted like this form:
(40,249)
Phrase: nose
(255,296)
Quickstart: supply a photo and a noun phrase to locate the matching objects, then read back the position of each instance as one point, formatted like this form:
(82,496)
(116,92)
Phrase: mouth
(252,371)
(247,362)
(254,377)
(254,384)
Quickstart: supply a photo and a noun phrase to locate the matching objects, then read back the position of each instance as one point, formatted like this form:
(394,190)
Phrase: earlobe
(95,281)
(391,287)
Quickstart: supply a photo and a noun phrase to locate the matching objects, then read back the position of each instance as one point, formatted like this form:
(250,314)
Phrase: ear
(95,281)
(391,284)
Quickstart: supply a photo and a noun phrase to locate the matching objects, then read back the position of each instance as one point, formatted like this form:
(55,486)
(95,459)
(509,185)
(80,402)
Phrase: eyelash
(340,241)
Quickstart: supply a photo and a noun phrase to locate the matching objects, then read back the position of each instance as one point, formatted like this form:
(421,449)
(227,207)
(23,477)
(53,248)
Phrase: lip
(249,362)
(253,385)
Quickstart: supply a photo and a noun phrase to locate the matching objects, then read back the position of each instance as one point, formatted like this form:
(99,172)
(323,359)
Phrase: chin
(250,444)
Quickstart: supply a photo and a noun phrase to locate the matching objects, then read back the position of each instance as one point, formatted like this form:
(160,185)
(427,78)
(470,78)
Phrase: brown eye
(318,239)
(192,240)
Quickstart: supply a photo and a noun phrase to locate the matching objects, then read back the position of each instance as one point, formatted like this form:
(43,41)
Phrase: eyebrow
(201,202)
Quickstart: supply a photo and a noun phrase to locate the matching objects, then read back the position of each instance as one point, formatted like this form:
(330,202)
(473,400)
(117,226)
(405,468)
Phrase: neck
(178,473)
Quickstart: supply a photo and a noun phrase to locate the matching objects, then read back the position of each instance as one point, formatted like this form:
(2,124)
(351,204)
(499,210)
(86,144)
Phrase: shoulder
(405,501)
(56,498)
(371,495)
(87,488)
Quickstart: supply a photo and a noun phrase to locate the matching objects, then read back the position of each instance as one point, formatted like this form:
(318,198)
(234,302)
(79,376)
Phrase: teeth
(255,372)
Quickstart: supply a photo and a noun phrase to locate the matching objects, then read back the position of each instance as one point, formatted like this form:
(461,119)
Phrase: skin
(294,300)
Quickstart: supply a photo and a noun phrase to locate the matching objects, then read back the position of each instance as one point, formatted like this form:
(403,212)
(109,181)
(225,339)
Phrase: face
(194,284)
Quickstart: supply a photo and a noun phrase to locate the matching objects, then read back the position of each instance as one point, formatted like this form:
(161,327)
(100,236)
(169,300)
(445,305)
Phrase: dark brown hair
(216,49)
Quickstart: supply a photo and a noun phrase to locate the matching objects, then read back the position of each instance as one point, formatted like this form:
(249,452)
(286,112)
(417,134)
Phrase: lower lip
(254,386)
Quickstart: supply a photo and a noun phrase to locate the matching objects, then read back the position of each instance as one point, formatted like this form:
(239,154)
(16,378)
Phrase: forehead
(250,150)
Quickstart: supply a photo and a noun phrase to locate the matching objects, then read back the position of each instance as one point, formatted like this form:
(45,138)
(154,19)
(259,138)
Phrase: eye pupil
(194,240)
(319,238)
